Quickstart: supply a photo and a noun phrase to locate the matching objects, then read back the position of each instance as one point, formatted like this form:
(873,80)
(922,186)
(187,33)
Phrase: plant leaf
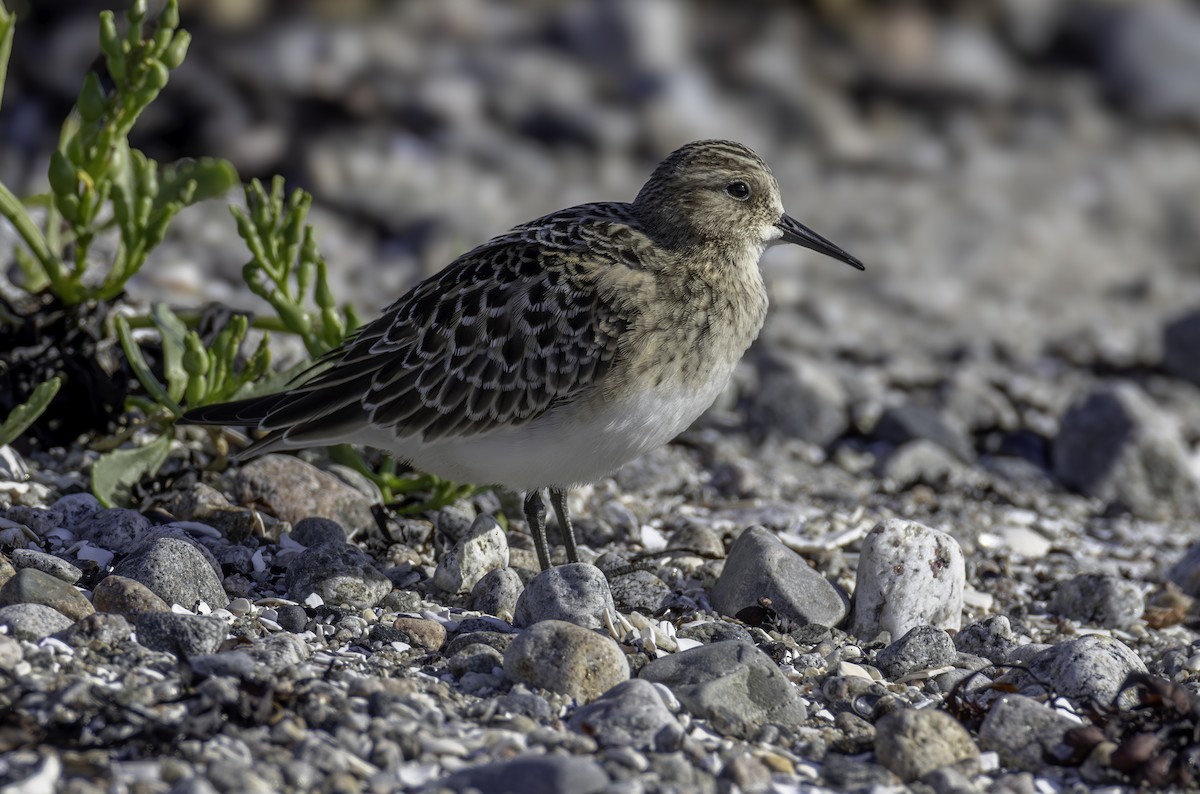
(115,473)
(141,369)
(213,178)
(27,412)
(173,331)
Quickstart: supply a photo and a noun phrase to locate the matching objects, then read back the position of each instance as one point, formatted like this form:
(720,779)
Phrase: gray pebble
(317,531)
(901,424)
(716,631)
(908,575)
(991,638)
(1088,671)
(532,774)
(175,570)
(31,586)
(32,622)
(481,549)
(914,742)
(576,592)
(46,563)
(116,529)
(291,617)
(639,591)
(563,657)
(698,539)
(734,685)
(40,520)
(183,635)
(76,508)
(492,639)
(631,714)
(99,628)
(797,398)
(1024,732)
(11,653)
(1099,599)
(1181,340)
(497,592)
(475,658)
(922,648)
(760,566)
(341,575)
(1115,445)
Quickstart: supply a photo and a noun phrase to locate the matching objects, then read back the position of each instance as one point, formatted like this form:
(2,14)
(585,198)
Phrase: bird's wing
(504,333)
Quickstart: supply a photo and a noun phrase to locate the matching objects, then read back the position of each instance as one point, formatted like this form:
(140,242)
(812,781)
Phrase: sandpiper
(558,351)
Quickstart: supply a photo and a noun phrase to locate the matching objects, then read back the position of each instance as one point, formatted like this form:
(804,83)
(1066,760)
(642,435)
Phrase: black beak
(796,232)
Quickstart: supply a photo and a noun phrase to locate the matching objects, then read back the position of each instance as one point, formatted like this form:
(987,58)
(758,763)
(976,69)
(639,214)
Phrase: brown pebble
(124,596)
(427,634)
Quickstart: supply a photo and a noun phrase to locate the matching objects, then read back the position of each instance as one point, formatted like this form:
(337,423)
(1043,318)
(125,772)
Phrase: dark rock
(631,714)
(341,575)
(31,586)
(183,635)
(760,566)
(922,648)
(1115,445)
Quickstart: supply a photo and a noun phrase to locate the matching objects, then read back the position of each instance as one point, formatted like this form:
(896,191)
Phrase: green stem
(12,209)
(8,23)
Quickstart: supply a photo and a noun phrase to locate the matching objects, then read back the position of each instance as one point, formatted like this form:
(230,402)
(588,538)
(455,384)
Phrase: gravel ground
(937,536)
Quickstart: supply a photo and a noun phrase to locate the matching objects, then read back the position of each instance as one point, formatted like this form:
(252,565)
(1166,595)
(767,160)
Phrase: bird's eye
(738,190)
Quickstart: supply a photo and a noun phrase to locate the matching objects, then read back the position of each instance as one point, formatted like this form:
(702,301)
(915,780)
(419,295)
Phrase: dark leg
(558,498)
(535,514)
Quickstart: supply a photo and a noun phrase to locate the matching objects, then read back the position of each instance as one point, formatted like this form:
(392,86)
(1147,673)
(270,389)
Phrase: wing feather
(506,332)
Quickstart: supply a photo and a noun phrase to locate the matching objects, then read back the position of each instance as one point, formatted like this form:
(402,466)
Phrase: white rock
(908,575)
(482,549)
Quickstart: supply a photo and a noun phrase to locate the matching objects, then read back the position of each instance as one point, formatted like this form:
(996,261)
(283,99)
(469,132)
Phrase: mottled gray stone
(1115,445)
(175,570)
(914,742)
(116,529)
(1088,671)
(98,628)
(497,592)
(33,622)
(991,638)
(908,575)
(922,648)
(182,635)
(576,592)
(760,566)
(733,685)
(76,508)
(631,714)
(46,563)
(639,591)
(341,575)
(1024,732)
(1099,599)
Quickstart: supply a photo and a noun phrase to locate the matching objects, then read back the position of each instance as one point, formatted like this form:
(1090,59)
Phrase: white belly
(575,444)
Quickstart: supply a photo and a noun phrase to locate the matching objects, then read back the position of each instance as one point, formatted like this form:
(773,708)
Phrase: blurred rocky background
(1022,178)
